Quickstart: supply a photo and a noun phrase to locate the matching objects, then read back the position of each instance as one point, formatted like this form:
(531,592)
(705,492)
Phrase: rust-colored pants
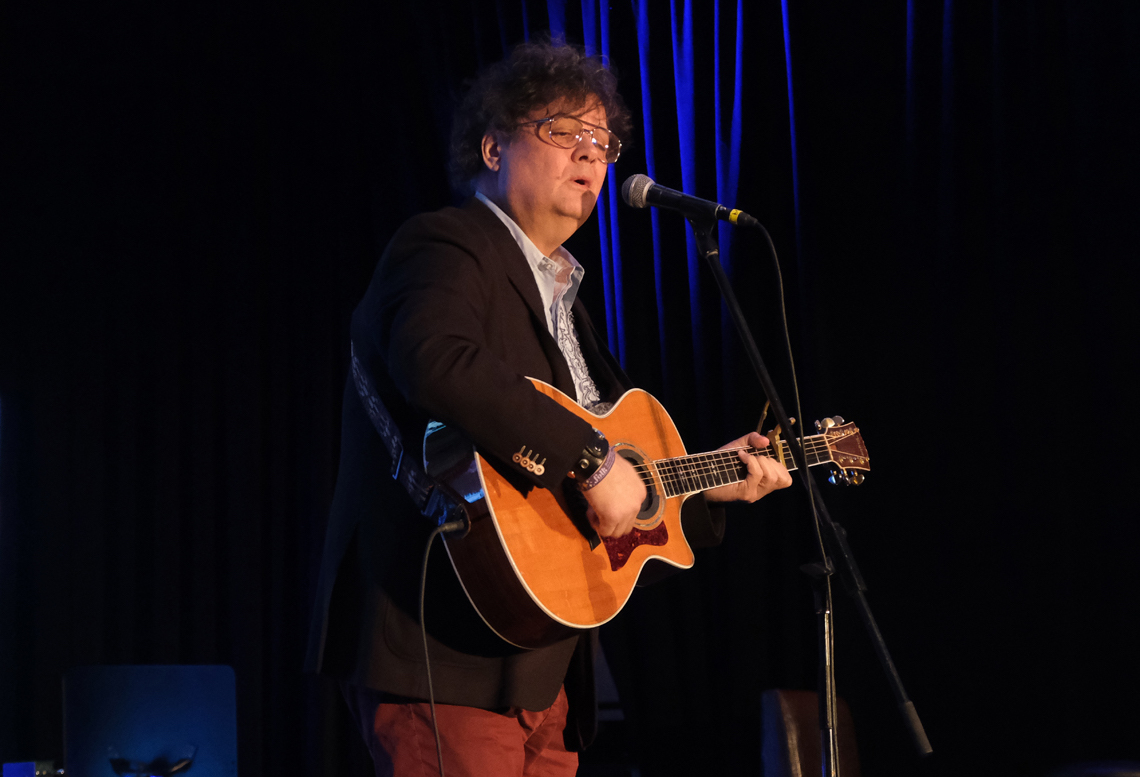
(476,743)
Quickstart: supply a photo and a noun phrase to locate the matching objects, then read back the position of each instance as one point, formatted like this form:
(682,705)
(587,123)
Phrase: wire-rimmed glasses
(568,131)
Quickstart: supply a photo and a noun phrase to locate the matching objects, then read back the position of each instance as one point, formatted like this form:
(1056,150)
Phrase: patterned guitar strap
(428,497)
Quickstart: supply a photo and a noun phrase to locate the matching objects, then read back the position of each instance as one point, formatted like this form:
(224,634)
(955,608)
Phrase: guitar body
(530,564)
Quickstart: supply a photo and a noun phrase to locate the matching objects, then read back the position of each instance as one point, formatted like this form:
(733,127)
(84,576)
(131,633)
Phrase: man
(465,305)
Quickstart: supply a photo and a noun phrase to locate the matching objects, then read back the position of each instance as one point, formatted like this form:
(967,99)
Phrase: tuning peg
(826,423)
(777,430)
(856,476)
(838,476)
(837,420)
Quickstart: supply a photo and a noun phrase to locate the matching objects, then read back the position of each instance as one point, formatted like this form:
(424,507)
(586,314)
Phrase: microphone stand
(835,547)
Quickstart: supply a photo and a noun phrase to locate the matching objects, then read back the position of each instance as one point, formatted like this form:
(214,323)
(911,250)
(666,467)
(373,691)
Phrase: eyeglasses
(567,132)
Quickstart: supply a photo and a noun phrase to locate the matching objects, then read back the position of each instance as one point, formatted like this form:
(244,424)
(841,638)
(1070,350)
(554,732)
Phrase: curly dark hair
(506,93)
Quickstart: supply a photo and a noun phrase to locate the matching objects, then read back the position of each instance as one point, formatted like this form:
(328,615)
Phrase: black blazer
(449,329)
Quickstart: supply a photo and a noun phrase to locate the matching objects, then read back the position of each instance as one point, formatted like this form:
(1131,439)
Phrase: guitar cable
(444,528)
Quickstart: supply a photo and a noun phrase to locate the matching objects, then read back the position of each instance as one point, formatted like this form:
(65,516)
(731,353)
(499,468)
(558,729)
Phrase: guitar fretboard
(702,471)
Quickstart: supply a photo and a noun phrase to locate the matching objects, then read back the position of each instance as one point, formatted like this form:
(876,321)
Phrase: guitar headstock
(845,449)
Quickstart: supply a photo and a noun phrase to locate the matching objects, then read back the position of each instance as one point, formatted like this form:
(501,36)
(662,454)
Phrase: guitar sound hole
(652,499)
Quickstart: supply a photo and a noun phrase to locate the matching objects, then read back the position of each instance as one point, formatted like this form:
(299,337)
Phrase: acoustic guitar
(530,563)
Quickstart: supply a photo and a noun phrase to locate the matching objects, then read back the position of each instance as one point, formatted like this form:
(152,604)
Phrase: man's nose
(588,147)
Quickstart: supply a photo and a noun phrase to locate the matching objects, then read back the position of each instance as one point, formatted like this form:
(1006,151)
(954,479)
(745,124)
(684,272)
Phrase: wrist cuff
(600,472)
(592,457)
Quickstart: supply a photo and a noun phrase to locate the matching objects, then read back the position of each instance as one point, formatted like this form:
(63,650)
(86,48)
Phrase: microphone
(640,190)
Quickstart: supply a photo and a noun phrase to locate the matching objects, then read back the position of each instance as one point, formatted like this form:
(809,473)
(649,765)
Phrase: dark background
(196,195)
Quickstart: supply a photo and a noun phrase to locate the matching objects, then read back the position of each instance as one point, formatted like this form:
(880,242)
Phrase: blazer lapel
(521,276)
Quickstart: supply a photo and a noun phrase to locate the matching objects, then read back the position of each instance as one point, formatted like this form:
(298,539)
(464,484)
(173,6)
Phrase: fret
(664,471)
(701,471)
(706,473)
(692,483)
(692,475)
(679,483)
(671,484)
(739,470)
(714,471)
(728,470)
(683,468)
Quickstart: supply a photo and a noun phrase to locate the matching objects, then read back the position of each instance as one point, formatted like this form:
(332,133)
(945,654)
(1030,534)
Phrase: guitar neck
(702,471)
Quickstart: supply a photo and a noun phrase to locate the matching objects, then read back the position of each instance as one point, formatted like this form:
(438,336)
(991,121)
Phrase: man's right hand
(616,500)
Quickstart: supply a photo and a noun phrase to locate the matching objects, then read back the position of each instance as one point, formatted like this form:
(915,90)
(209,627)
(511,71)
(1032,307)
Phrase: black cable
(459,526)
(796,397)
(423,630)
(828,643)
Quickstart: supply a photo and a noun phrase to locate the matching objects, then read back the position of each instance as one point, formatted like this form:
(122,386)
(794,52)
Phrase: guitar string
(812,446)
(730,454)
(699,472)
(714,460)
(716,469)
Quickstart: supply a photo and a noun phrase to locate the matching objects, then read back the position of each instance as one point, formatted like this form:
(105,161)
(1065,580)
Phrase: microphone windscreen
(634,189)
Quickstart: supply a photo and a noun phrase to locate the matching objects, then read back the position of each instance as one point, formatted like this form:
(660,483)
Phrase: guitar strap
(406,470)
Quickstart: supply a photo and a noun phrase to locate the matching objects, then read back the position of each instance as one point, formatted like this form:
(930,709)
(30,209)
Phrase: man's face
(549,191)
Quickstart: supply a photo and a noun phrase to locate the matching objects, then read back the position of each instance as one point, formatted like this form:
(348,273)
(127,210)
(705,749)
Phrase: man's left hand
(765,475)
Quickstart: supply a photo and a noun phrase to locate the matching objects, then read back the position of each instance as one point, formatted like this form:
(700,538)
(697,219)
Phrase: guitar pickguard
(619,549)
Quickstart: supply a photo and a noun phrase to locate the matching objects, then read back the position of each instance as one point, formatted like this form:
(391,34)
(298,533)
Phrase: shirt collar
(537,260)
(542,266)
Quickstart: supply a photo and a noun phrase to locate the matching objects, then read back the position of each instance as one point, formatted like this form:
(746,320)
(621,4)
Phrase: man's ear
(492,151)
